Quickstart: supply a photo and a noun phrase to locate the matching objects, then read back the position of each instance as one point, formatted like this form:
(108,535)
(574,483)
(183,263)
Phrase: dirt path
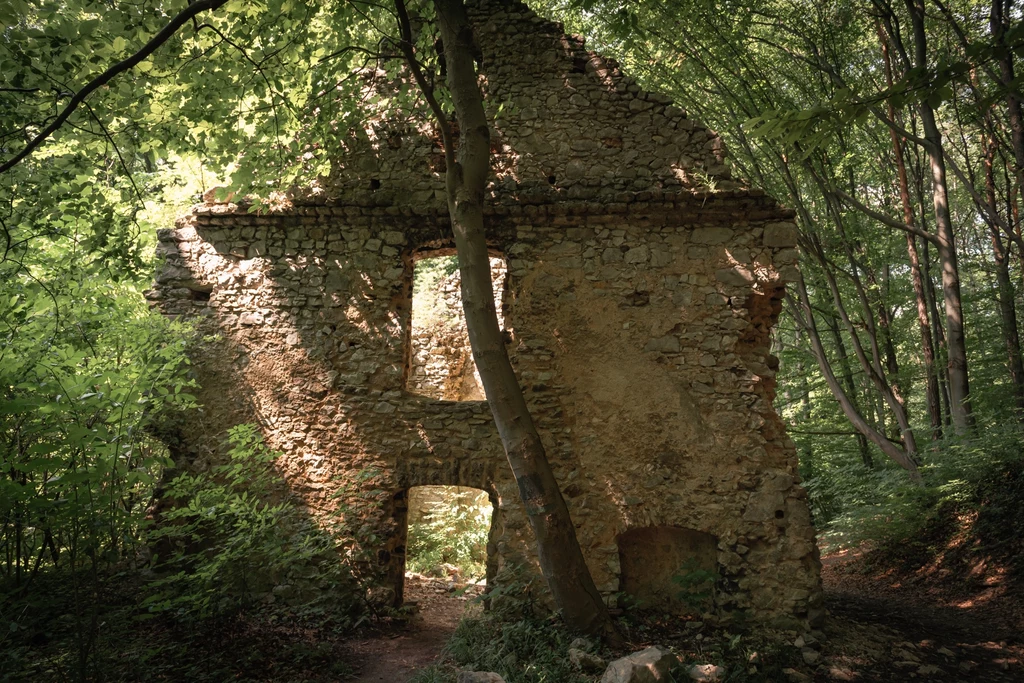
(886,628)
(395,657)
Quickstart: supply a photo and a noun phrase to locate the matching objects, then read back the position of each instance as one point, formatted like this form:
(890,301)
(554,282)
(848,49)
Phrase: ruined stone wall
(642,284)
(640,334)
(567,124)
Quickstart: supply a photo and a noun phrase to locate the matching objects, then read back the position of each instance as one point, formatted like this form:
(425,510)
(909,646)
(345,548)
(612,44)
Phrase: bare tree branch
(882,218)
(409,50)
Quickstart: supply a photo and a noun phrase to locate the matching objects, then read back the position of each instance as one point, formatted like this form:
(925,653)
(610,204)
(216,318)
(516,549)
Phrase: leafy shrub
(237,536)
(522,651)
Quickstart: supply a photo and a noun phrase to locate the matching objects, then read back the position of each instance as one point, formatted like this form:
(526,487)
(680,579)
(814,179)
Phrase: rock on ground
(708,673)
(479,677)
(584,661)
(646,666)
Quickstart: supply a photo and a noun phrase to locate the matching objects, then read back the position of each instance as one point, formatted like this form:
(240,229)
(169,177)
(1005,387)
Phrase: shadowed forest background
(894,130)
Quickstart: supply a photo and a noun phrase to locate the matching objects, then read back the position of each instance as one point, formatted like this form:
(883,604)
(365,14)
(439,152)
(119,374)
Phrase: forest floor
(929,623)
(885,625)
(882,626)
(394,657)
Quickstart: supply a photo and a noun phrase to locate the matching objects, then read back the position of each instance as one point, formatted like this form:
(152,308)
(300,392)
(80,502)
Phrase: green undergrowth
(453,531)
(235,582)
(256,644)
(967,533)
(522,651)
(532,650)
(880,508)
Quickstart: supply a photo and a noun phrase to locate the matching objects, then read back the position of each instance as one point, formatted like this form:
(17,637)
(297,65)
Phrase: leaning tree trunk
(803,313)
(850,388)
(558,550)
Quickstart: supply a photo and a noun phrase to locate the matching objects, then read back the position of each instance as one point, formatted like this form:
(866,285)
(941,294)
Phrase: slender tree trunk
(999,20)
(923,324)
(851,389)
(937,335)
(959,389)
(927,346)
(558,550)
(1004,287)
(872,367)
(892,366)
(805,318)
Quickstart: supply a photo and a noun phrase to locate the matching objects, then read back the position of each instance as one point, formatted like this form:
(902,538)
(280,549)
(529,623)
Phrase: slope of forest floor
(887,625)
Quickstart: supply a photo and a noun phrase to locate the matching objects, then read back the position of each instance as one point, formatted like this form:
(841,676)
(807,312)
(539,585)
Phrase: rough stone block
(667,344)
(780,235)
(736,276)
(711,236)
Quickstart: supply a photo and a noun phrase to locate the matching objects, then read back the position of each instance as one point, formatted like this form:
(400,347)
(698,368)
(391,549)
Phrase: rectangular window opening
(440,359)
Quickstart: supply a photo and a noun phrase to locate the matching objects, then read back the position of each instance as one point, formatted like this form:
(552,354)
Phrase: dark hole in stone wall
(201,294)
(669,568)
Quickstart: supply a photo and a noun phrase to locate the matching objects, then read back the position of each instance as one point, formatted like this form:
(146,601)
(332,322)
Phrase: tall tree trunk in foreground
(558,550)
(959,390)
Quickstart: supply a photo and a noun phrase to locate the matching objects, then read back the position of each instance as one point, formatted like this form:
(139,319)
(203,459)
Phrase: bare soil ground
(889,627)
(395,656)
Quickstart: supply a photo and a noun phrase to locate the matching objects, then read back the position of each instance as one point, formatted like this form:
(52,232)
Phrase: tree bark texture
(558,550)
(959,388)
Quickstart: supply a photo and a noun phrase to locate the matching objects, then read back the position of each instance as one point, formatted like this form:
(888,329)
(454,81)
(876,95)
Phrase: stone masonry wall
(642,285)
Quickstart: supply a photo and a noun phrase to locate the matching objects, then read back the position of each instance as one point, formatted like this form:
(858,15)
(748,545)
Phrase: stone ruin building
(640,289)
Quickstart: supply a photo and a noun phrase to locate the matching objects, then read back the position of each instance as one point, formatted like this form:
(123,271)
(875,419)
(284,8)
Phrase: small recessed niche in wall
(440,359)
(669,568)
